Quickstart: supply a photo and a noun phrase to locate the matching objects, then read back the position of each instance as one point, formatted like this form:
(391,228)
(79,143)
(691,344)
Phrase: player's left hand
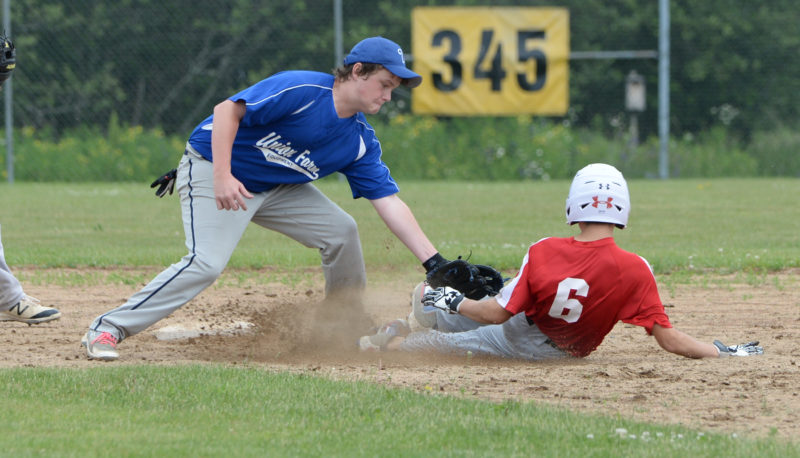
(748,349)
(444,298)
(165,183)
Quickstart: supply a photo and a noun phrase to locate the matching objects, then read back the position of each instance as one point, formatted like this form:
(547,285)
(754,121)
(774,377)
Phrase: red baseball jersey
(575,292)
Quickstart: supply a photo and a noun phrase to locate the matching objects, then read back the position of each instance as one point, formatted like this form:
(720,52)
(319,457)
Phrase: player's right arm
(674,341)
(401,221)
(487,311)
(228,191)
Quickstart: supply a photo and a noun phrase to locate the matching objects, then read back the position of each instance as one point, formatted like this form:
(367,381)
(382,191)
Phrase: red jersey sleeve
(644,306)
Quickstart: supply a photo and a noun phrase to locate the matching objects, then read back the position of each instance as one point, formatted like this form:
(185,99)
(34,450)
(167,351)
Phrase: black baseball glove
(8,59)
(475,281)
(165,183)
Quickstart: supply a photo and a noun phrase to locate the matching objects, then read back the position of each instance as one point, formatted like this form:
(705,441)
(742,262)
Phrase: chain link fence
(155,63)
(164,64)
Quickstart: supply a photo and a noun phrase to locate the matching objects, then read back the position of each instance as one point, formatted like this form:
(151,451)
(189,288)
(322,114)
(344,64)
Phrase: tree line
(163,64)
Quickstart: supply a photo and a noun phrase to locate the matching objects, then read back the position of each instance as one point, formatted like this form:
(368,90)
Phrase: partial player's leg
(427,317)
(305,214)
(211,237)
(422,318)
(512,339)
(15,305)
(10,289)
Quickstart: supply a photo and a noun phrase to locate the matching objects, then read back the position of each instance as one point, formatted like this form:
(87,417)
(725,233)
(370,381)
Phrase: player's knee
(420,317)
(208,270)
(347,228)
(345,234)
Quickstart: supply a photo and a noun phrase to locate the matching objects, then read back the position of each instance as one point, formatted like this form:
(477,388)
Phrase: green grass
(725,225)
(683,227)
(163,411)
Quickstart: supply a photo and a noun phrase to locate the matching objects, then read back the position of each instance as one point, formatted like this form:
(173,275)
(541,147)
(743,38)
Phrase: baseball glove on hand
(8,59)
(165,183)
(748,349)
(475,281)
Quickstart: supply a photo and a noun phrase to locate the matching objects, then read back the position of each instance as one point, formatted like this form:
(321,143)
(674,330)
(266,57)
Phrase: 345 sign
(492,60)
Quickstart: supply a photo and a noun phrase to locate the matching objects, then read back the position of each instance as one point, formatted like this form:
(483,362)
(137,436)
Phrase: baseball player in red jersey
(568,295)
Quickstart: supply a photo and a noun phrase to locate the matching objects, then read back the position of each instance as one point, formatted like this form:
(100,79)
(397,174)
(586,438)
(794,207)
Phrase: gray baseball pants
(10,289)
(299,211)
(457,334)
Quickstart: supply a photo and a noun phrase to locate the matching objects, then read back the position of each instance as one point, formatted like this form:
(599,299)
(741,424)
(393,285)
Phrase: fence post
(337,33)
(663,88)
(9,93)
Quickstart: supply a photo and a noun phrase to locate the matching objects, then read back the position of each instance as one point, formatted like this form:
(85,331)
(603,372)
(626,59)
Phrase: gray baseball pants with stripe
(10,289)
(457,334)
(299,211)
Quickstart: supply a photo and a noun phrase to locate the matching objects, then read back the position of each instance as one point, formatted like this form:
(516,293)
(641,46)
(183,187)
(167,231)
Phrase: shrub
(777,152)
(88,153)
(428,148)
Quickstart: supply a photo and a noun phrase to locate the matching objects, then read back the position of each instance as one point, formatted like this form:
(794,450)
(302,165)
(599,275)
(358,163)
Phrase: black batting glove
(433,262)
(165,183)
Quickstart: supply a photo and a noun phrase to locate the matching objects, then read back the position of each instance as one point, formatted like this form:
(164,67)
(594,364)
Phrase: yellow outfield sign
(490,60)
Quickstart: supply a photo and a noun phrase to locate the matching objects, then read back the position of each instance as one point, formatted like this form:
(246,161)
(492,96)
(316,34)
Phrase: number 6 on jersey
(564,307)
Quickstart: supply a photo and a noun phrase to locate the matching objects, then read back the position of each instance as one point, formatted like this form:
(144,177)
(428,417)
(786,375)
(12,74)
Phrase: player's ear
(355,72)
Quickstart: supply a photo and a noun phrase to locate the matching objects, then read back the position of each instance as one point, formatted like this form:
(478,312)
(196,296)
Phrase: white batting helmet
(599,194)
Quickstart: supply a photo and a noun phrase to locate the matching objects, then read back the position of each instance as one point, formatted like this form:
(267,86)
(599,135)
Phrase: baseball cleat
(365,344)
(30,311)
(385,334)
(100,345)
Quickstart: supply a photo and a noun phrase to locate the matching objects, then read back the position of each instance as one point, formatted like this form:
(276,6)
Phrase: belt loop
(190,151)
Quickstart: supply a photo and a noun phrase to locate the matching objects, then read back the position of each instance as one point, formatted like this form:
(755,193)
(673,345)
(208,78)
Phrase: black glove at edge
(165,183)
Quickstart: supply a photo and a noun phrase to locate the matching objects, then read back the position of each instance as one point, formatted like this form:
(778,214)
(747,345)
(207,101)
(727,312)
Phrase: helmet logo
(597,202)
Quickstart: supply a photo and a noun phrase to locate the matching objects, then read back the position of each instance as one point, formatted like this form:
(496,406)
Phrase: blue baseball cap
(379,50)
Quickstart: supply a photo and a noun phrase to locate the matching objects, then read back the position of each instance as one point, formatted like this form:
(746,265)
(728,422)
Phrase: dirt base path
(275,327)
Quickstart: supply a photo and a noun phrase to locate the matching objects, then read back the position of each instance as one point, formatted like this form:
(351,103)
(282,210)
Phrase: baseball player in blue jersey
(255,158)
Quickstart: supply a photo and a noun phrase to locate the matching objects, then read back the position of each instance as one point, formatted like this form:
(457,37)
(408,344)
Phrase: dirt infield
(273,326)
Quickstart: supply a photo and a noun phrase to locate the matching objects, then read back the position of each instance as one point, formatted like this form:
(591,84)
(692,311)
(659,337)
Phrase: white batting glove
(444,298)
(748,349)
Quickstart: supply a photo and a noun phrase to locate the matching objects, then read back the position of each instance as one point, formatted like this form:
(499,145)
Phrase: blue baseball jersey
(292,134)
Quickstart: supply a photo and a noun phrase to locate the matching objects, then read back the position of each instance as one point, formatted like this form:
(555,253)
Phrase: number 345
(489,62)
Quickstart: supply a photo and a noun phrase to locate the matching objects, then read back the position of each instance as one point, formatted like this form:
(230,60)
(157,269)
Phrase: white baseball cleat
(30,311)
(100,345)
(385,334)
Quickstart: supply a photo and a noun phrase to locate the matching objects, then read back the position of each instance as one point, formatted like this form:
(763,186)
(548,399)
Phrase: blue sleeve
(369,176)
(281,94)
(266,101)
